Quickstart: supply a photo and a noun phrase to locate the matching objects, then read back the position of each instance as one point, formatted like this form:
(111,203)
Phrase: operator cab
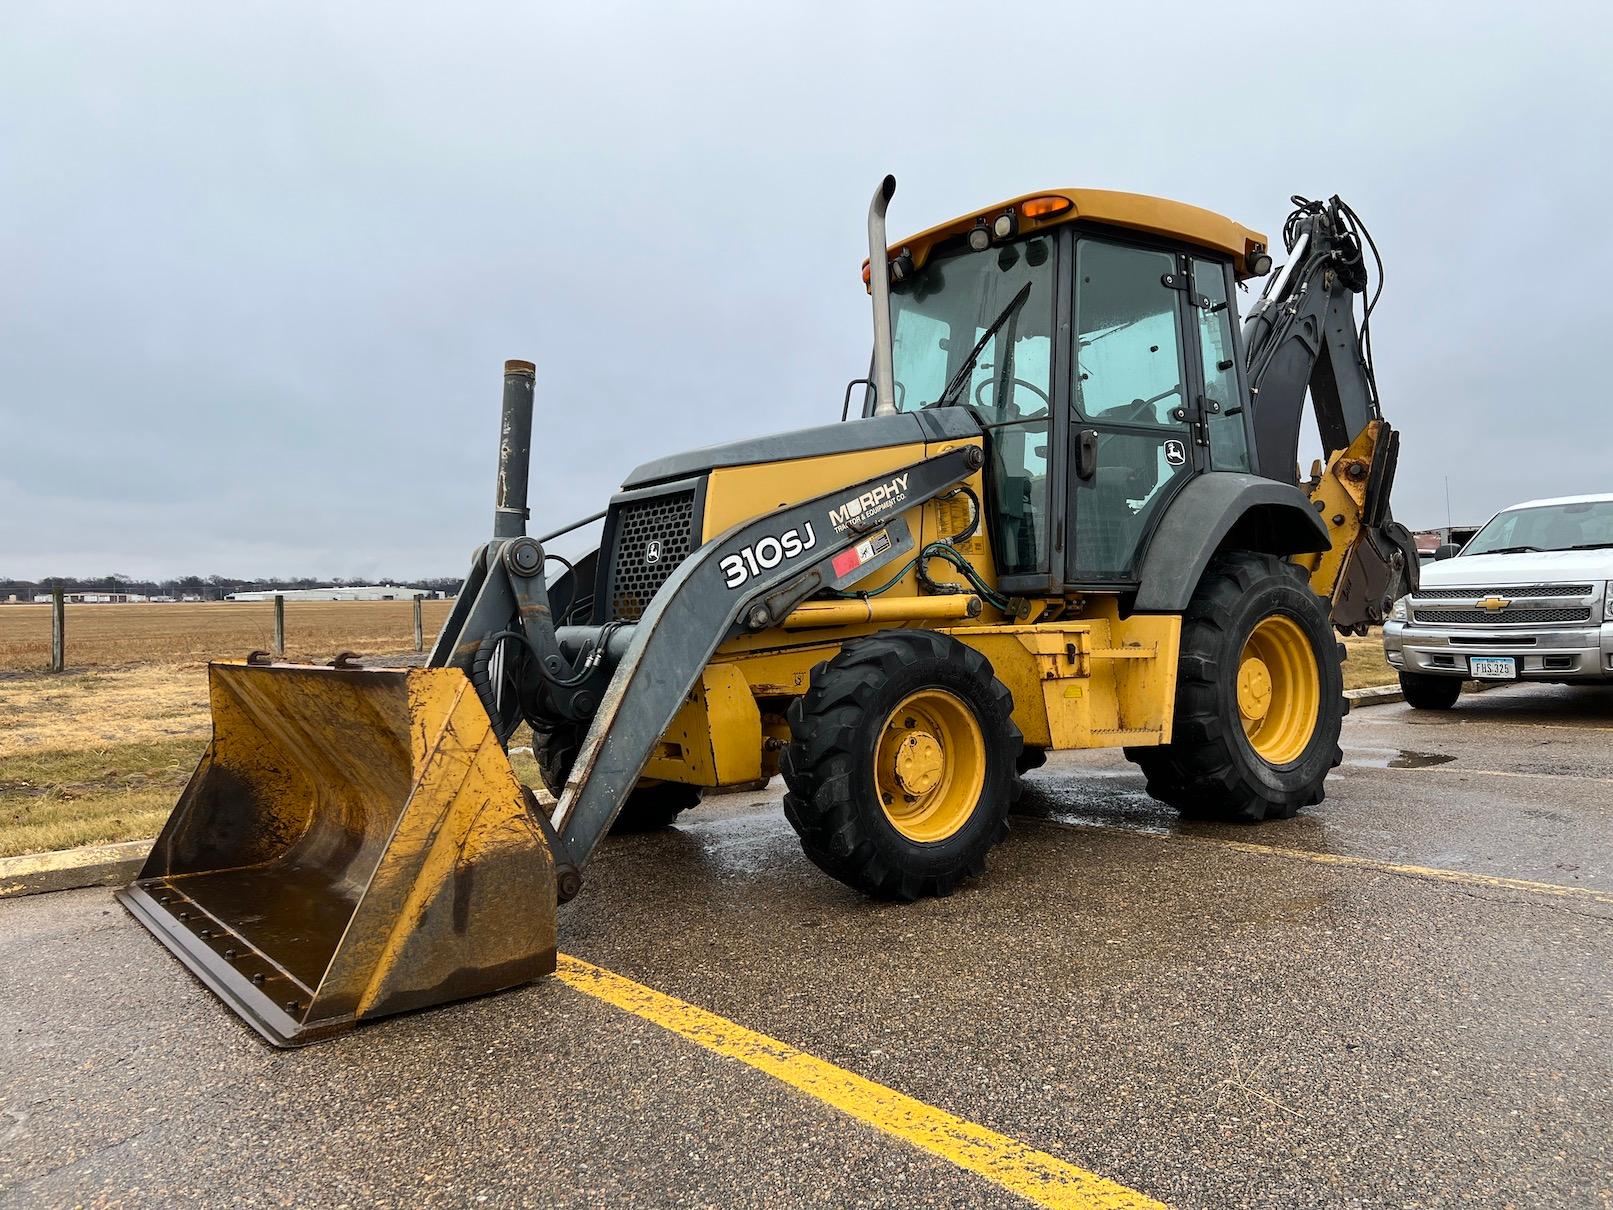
(1147,394)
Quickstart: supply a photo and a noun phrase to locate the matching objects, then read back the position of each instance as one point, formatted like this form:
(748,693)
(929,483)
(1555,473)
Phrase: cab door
(1135,402)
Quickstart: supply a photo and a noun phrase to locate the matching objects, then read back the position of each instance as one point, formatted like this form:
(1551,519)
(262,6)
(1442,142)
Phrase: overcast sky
(260,264)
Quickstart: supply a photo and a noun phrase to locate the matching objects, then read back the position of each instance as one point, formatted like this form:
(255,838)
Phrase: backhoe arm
(1302,338)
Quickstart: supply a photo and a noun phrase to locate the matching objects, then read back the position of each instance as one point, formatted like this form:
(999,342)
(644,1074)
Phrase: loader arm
(1303,339)
(699,607)
(626,681)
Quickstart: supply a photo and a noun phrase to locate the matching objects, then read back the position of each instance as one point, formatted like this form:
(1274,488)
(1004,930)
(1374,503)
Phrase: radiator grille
(1504,617)
(652,538)
(1511,590)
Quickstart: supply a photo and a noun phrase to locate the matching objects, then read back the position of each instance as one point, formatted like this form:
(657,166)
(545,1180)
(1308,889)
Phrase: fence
(64,634)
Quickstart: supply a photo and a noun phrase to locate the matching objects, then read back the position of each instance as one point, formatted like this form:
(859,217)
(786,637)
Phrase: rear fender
(1223,511)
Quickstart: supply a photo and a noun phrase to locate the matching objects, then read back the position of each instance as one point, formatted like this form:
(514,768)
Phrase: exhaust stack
(514,450)
(879,283)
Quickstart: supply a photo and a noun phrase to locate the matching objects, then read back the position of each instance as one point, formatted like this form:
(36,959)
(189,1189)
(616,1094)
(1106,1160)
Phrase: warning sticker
(865,551)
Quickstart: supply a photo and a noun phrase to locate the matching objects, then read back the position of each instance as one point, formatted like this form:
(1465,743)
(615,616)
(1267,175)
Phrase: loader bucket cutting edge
(353,843)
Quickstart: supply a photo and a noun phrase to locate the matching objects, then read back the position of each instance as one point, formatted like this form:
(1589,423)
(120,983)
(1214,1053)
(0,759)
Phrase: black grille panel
(1503,617)
(653,536)
(1511,590)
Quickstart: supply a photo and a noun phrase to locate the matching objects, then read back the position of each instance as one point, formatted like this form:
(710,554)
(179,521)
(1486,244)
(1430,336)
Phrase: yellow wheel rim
(1279,690)
(930,765)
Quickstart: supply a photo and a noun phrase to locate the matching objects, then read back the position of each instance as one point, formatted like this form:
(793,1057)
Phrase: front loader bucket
(353,843)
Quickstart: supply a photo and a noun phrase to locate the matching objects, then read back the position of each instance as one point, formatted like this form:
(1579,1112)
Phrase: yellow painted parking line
(1478,720)
(1456,767)
(1432,873)
(1034,1175)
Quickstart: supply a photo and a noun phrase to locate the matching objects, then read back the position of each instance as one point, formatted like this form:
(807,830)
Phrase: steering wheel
(1017,382)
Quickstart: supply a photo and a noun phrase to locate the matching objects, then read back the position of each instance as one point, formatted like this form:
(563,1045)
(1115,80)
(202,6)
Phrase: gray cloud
(261,263)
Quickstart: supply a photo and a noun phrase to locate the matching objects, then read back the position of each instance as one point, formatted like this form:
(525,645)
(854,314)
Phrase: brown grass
(101,636)
(101,752)
(1364,664)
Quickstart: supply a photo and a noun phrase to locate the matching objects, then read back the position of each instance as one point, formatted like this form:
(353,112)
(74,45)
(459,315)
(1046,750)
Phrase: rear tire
(1259,697)
(651,806)
(1430,692)
(901,764)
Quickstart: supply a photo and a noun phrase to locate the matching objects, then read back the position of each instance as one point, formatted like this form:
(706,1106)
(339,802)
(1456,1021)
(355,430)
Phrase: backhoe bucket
(354,843)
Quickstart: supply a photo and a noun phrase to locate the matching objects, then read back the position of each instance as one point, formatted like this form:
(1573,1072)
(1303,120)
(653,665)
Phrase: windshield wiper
(1505,550)
(962,376)
(1591,546)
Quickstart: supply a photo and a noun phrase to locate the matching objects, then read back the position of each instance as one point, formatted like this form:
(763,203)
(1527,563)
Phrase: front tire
(901,764)
(1259,697)
(1430,692)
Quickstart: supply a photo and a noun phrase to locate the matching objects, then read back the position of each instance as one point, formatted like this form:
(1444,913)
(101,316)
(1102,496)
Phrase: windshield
(976,328)
(1587,525)
(940,313)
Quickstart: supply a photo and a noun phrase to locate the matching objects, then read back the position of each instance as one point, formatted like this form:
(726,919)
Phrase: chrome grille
(637,569)
(1502,617)
(1510,590)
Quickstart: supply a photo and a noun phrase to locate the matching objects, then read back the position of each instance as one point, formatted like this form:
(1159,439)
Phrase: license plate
(1493,667)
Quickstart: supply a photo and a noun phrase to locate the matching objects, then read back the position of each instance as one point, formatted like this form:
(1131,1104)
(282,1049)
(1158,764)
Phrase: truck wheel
(652,804)
(1259,697)
(1430,692)
(901,764)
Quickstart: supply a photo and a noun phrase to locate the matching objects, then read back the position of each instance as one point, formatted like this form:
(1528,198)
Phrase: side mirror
(1448,551)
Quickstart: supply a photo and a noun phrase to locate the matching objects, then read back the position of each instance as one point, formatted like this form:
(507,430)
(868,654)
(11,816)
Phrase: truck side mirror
(1448,551)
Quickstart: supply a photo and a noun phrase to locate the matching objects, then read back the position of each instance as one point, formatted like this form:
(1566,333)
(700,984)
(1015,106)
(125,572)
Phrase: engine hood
(932,424)
(1526,567)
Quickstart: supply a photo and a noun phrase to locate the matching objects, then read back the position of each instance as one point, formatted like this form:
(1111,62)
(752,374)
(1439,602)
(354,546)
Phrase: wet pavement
(1403,997)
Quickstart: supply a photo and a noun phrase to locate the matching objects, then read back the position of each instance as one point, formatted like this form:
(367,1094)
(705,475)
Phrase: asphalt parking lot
(1404,997)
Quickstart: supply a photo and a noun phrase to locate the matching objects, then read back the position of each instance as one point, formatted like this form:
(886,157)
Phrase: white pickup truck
(1528,598)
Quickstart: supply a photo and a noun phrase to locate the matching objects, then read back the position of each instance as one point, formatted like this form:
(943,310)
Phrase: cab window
(938,317)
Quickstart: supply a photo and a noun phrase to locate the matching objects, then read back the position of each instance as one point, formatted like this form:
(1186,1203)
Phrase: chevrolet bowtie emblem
(1494,603)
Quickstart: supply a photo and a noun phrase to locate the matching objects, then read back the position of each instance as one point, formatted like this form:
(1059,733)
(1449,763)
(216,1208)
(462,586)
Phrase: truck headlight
(1607,601)
(1400,611)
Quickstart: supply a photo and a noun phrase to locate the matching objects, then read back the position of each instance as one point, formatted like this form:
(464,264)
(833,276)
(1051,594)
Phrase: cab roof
(1139,212)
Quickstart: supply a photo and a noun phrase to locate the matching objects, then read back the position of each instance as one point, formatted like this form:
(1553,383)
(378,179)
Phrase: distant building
(363,592)
(1430,540)
(103,598)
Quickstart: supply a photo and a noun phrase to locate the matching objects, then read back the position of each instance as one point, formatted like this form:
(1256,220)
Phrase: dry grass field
(103,636)
(101,752)
(1364,664)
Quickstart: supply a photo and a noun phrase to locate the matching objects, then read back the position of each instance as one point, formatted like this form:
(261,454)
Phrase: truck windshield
(939,316)
(1587,525)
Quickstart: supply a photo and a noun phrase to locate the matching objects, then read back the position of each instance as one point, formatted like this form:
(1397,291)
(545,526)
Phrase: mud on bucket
(353,843)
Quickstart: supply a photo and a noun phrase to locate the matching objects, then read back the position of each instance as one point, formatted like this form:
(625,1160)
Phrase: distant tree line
(209,588)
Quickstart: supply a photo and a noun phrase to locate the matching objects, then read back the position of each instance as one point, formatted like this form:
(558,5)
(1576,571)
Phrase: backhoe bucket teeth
(353,843)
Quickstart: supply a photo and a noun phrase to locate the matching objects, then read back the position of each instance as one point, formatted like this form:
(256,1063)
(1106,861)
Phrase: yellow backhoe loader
(1068,516)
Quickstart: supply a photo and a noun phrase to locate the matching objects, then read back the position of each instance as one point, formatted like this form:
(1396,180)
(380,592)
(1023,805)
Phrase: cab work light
(1045,207)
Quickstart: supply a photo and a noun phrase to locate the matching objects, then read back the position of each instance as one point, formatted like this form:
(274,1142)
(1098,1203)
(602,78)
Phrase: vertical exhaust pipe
(879,283)
(514,450)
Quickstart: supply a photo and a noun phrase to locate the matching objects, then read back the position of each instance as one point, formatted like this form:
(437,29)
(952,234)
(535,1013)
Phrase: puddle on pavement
(1394,758)
(752,842)
(1093,798)
(1407,759)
